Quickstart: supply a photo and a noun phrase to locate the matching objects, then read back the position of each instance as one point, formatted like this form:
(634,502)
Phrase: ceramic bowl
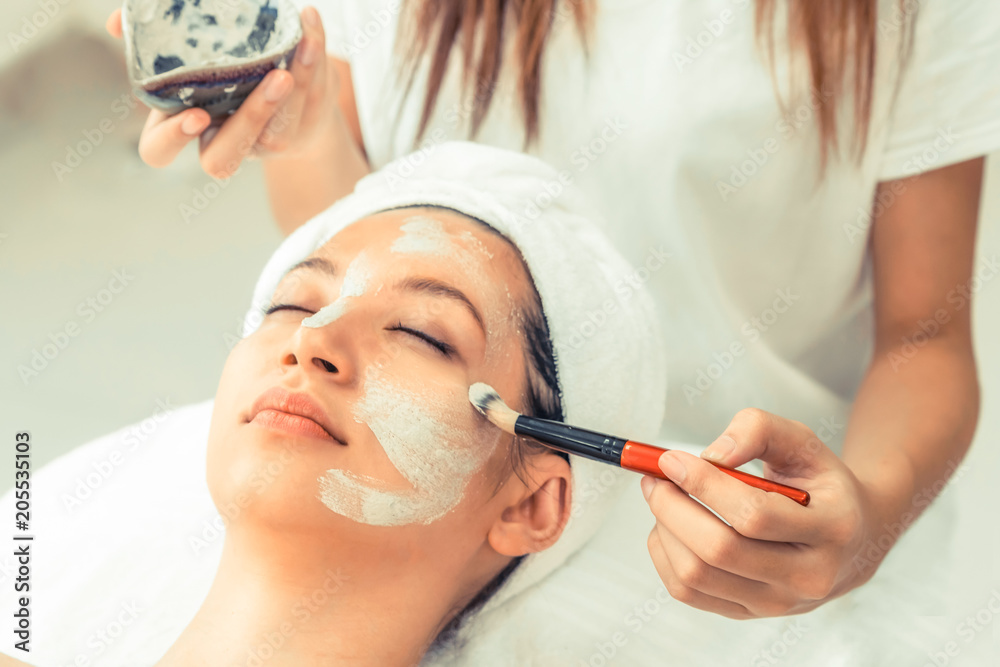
(206,53)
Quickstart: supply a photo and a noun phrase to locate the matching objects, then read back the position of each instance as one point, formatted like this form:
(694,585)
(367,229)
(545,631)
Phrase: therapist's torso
(708,187)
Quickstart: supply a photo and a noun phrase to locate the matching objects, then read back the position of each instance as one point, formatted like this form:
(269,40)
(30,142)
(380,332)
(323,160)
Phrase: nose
(323,351)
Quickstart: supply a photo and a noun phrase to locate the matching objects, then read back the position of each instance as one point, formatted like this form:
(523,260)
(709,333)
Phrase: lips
(297,413)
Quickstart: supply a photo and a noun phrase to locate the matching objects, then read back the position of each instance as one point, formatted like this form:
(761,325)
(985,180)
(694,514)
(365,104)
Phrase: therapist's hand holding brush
(770,556)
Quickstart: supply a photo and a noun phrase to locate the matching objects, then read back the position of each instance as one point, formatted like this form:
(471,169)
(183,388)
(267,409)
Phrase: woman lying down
(394,495)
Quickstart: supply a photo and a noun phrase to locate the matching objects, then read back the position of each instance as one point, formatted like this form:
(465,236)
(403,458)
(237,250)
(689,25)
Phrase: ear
(537,513)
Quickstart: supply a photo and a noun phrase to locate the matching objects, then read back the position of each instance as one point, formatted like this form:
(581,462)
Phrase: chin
(252,476)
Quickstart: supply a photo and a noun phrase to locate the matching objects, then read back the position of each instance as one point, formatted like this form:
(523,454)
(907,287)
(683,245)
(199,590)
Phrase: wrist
(888,487)
(888,506)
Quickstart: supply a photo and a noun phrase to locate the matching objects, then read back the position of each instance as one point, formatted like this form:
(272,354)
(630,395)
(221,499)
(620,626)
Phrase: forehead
(386,226)
(443,240)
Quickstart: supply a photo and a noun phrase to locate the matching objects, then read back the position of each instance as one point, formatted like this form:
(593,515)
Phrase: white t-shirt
(760,271)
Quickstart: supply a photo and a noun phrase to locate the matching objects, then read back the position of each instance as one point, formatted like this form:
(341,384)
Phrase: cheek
(432,436)
(429,424)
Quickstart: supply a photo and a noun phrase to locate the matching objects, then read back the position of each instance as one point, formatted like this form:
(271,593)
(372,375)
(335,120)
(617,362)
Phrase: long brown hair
(837,38)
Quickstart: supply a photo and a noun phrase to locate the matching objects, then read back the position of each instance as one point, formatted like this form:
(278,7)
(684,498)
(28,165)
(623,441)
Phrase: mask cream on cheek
(355,283)
(430,439)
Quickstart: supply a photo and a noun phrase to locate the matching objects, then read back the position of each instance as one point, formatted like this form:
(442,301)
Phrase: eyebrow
(438,288)
(412,284)
(316,264)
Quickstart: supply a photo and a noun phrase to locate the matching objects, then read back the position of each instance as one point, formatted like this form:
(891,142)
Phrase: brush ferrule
(572,440)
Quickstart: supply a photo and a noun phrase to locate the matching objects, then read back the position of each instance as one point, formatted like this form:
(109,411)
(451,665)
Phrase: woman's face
(346,412)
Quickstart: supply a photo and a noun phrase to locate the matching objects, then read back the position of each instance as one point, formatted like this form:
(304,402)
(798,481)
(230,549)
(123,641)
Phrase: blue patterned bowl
(206,53)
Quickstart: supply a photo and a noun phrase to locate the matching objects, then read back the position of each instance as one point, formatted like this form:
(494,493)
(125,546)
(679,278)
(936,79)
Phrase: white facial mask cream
(355,283)
(326,314)
(424,236)
(422,436)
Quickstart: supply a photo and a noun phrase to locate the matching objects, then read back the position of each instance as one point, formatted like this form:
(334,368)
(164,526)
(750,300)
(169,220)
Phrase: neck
(290,600)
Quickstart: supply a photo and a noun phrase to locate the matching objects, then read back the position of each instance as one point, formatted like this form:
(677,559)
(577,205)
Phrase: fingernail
(275,88)
(193,125)
(672,467)
(307,53)
(647,485)
(310,16)
(720,449)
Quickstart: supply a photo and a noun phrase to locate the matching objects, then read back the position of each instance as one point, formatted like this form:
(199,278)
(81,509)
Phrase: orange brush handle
(640,457)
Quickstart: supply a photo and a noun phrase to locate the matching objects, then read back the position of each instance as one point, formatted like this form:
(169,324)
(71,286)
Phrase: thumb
(790,448)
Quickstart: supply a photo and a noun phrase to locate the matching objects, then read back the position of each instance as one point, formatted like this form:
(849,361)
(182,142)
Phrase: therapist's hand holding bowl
(775,557)
(288,115)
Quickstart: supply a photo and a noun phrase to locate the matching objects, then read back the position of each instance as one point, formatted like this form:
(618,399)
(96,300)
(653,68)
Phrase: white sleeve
(948,106)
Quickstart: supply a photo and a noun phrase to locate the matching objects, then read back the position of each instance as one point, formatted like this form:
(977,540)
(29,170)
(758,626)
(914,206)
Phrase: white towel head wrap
(611,367)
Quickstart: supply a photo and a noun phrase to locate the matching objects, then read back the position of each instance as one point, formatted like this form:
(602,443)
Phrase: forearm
(912,423)
(299,187)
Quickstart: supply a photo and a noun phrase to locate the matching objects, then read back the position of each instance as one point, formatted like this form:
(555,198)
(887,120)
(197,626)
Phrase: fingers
(684,593)
(753,513)
(690,573)
(718,545)
(238,135)
(114,24)
(765,578)
(308,70)
(786,445)
(164,137)
(268,119)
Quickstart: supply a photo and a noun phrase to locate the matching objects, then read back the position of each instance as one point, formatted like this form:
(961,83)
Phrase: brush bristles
(488,401)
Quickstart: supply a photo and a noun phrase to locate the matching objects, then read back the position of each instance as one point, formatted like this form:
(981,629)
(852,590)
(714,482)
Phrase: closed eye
(442,347)
(273,308)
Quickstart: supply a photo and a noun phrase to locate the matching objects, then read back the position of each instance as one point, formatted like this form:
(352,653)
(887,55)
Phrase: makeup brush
(628,454)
